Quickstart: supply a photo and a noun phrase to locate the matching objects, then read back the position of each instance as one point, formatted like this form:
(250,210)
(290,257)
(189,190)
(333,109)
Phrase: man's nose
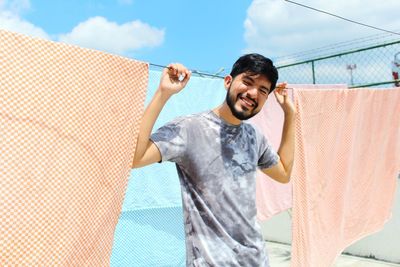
(252,92)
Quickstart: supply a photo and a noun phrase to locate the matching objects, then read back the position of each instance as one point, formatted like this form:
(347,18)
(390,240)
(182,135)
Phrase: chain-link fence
(377,66)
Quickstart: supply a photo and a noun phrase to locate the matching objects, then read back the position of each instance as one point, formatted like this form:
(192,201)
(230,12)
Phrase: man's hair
(254,64)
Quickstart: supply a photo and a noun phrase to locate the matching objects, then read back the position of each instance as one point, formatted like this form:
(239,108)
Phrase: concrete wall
(383,245)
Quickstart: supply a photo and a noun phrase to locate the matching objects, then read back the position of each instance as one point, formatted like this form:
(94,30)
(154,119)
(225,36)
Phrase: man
(217,156)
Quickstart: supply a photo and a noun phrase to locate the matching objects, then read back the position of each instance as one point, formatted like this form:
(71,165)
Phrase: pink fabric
(273,197)
(317,86)
(69,119)
(346,163)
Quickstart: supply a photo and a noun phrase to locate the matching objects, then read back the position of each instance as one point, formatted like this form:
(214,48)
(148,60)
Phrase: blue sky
(205,35)
(194,33)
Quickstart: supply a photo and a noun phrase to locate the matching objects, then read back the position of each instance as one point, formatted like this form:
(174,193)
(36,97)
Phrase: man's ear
(228,81)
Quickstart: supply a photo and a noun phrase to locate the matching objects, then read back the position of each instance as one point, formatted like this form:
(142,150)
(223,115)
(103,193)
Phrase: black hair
(254,64)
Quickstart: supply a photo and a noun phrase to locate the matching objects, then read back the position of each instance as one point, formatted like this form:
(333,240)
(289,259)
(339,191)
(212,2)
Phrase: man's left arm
(282,170)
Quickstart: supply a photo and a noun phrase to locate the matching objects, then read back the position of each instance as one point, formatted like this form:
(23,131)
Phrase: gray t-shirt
(216,164)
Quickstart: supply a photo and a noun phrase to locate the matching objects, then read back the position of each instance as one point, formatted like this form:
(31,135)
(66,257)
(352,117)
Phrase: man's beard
(241,115)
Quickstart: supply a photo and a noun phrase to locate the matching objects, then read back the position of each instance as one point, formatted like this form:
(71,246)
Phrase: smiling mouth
(247,102)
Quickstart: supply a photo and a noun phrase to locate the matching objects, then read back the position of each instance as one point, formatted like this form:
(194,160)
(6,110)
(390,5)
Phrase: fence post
(313,71)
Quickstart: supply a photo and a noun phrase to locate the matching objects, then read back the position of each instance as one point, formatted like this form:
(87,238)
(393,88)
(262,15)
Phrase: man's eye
(264,92)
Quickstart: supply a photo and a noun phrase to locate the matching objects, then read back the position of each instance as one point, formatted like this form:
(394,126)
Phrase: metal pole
(313,72)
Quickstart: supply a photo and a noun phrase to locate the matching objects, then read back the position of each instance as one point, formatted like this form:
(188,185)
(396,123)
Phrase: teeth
(247,102)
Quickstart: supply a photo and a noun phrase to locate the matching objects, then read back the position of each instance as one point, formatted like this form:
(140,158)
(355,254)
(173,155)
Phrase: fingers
(186,78)
(178,71)
(280,85)
(281,89)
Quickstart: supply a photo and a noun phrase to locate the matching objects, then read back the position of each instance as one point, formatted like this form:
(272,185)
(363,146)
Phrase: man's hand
(174,78)
(283,99)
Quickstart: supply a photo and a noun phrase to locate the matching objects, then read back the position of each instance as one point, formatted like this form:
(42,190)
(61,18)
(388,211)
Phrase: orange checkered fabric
(68,126)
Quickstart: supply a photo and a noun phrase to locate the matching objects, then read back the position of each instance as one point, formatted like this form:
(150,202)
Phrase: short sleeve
(267,156)
(171,140)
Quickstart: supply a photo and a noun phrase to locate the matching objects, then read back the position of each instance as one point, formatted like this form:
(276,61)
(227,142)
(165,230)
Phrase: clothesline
(193,71)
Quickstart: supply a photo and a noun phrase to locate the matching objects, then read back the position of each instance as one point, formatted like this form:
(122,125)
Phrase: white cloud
(11,20)
(276,27)
(19,6)
(15,6)
(99,33)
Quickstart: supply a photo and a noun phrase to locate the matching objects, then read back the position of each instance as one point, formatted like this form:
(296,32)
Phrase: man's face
(246,94)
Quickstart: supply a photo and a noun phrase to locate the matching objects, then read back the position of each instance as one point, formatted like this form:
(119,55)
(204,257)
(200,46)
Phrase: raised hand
(174,78)
(283,99)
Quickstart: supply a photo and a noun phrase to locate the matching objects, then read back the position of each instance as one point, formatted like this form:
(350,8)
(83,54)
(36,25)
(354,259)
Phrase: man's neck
(225,113)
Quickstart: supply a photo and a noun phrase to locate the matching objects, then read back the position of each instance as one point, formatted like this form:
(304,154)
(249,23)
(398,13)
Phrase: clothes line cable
(193,71)
(199,73)
(343,18)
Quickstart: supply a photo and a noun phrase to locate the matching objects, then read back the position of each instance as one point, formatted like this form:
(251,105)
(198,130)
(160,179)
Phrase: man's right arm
(146,151)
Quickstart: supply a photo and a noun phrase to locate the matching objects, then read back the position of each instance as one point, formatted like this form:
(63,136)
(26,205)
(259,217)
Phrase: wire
(201,74)
(307,52)
(343,18)
(336,46)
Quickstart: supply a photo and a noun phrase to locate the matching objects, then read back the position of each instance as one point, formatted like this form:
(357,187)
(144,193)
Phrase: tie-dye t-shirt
(216,164)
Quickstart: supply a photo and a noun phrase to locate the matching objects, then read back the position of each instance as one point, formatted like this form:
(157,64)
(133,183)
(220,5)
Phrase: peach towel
(68,126)
(346,163)
(273,197)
